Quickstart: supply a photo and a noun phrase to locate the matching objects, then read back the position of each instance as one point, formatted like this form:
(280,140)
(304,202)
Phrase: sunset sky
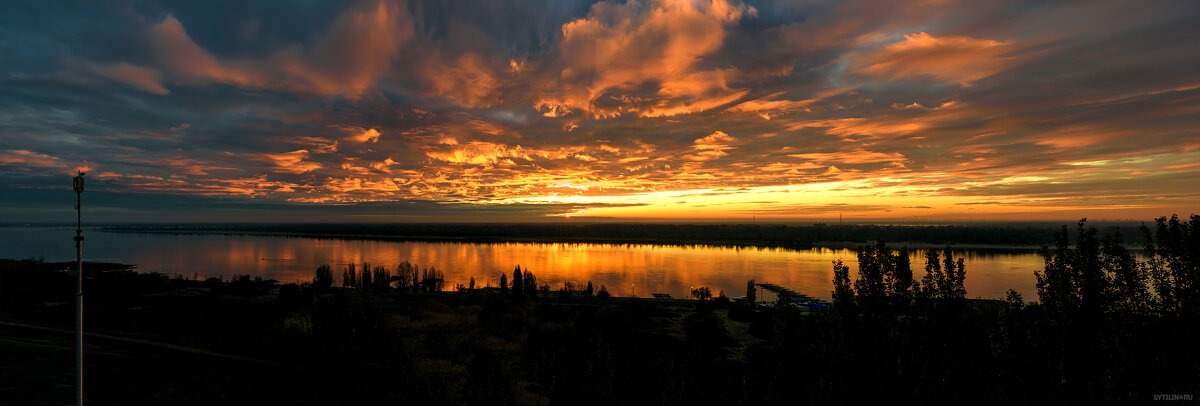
(561,110)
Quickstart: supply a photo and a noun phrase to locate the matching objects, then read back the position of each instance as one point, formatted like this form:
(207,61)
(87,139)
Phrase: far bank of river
(627,269)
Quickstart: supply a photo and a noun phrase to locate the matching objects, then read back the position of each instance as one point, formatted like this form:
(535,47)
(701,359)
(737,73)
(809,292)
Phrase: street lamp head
(78,183)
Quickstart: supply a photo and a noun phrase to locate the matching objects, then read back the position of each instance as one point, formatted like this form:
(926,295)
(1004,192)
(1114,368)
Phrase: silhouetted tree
(1128,290)
(1013,300)
(751,291)
(901,284)
(432,280)
(471,284)
(530,283)
(930,283)
(1100,275)
(382,278)
(875,269)
(405,275)
(1056,287)
(518,285)
(843,293)
(503,284)
(323,278)
(1173,264)
(1073,281)
(1093,282)
(589,290)
(956,276)
(702,293)
(366,280)
(349,276)
(874,266)
(944,278)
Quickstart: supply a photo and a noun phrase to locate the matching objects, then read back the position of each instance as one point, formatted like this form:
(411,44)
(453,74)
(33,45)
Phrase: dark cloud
(605,108)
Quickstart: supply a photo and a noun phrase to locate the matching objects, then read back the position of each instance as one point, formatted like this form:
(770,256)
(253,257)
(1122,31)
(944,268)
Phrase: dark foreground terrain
(1107,328)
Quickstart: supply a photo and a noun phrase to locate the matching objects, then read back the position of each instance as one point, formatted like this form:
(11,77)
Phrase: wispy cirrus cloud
(139,77)
(921,55)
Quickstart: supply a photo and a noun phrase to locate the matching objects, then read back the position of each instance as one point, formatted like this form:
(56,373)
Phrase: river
(627,270)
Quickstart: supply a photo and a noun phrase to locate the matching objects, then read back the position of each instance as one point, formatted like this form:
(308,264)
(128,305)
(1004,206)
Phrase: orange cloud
(139,77)
(29,158)
(24,159)
(480,153)
(290,162)
(949,59)
(358,48)
(184,165)
(620,47)
(1081,136)
(255,186)
(766,106)
(466,80)
(187,60)
(489,153)
(317,144)
(788,167)
(711,147)
(361,135)
(861,126)
(1185,166)
(858,156)
(904,122)
(716,140)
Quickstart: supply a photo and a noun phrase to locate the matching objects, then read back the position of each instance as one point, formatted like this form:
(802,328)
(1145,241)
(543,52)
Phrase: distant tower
(78,186)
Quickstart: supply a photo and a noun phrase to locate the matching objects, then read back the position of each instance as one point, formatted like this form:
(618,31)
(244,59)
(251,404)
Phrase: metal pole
(79,290)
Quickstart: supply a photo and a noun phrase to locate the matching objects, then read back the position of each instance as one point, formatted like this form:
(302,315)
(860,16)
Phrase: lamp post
(78,186)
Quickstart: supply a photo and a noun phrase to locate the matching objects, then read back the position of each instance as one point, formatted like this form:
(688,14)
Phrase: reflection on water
(626,270)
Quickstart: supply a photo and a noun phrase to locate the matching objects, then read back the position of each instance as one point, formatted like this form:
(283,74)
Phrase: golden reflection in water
(625,269)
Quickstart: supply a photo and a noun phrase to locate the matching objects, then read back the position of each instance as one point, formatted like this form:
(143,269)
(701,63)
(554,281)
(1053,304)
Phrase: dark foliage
(1109,327)
(518,284)
(323,278)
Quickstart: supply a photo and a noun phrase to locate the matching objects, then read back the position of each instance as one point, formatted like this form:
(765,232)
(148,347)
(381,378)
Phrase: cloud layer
(680,109)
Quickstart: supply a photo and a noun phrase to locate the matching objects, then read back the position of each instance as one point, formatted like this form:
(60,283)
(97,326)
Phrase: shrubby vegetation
(1108,326)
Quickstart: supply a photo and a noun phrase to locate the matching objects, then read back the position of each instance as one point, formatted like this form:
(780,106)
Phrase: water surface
(627,270)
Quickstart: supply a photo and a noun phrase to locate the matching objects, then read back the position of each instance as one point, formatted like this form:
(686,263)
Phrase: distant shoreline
(851,245)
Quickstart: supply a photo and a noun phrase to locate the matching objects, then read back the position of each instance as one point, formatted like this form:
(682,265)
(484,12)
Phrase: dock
(783,292)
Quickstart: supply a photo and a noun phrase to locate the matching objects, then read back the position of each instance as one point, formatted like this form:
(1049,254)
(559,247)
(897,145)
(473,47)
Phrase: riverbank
(626,269)
(254,339)
(706,242)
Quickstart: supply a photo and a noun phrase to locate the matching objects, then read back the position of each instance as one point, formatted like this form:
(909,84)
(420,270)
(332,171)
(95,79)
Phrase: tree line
(408,276)
(1107,326)
(679,234)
